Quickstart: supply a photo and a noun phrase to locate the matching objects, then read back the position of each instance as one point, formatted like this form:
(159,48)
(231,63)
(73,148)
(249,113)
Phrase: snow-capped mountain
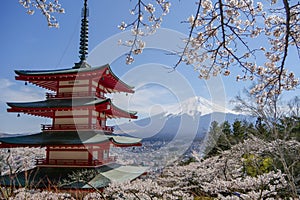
(196,105)
(190,118)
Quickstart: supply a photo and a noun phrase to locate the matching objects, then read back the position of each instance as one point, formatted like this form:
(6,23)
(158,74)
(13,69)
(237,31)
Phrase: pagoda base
(67,177)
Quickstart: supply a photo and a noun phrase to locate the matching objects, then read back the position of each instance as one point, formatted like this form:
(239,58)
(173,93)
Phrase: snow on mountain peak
(196,105)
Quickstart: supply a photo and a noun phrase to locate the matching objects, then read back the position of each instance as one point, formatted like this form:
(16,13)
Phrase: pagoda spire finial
(83,48)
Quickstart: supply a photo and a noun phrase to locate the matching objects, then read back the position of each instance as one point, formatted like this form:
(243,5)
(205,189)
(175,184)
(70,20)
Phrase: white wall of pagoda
(72,89)
(59,113)
(72,117)
(74,83)
(85,87)
(79,155)
(85,119)
(71,120)
(74,86)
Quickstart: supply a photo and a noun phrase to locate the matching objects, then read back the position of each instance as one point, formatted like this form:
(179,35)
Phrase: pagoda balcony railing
(75,162)
(50,127)
(74,95)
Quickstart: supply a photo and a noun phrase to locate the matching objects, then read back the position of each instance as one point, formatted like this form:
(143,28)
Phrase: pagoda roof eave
(123,141)
(118,112)
(120,85)
(67,138)
(47,78)
(58,103)
(58,71)
(49,105)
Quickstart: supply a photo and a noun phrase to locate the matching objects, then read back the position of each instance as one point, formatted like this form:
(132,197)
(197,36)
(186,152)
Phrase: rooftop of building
(67,138)
(67,177)
(46,107)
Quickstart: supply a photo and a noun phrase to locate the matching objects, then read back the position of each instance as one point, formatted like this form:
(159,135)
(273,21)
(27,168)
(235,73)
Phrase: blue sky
(28,43)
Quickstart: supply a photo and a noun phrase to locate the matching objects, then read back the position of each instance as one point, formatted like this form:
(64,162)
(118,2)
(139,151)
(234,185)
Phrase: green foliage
(226,128)
(187,161)
(82,176)
(262,130)
(238,129)
(224,136)
(289,128)
(214,128)
(255,165)
(213,139)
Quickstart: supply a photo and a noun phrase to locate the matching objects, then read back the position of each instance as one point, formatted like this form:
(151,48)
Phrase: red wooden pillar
(53,120)
(90,87)
(57,88)
(90,117)
(47,154)
(90,154)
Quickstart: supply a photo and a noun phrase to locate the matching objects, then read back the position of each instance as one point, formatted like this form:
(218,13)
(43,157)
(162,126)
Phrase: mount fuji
(195,106)
(190,118)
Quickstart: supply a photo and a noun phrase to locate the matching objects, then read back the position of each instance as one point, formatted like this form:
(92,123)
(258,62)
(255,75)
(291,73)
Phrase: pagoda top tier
(49,79)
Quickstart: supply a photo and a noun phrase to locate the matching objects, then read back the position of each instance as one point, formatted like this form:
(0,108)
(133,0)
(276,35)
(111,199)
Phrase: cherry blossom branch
(287,36)
(219,38)
(145,24)
(190,35)
(47,9)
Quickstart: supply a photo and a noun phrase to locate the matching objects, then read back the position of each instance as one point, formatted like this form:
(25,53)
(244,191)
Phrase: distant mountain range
(191,118)
(8,135)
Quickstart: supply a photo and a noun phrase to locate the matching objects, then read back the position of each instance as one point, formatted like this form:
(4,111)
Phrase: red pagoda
(78,138)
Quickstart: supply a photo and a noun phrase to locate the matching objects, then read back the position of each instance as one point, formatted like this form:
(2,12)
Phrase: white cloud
(148,100)
(10,123)
(17,92)
(155,88)
(5,83)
